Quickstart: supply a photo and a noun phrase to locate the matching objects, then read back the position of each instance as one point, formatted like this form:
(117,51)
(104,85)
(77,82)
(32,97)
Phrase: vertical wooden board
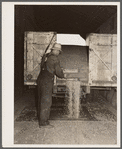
(25,65)
(25,51)
(29,66)
(30,37)
(92,60)
(114,40)
(30,55)
(88,40)
(25,55)
(92,66)
(29,51)
(25,61)
(114,60)
(93,76)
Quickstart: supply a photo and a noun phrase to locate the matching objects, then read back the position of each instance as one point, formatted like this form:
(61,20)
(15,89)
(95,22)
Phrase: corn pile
(73,98)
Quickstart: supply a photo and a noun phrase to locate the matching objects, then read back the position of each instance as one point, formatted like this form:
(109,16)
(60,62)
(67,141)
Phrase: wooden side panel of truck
(94,64)
(102,59)
(35,44)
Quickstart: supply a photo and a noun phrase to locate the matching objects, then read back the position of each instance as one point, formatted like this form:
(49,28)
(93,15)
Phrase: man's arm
(58,71)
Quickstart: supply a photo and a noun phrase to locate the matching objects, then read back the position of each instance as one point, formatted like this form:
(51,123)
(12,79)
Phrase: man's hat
(57,46)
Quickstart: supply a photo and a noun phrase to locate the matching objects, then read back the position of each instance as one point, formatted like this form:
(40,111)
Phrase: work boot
(45,124)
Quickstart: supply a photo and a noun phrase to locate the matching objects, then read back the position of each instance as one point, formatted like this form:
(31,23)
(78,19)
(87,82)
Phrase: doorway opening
(70,39)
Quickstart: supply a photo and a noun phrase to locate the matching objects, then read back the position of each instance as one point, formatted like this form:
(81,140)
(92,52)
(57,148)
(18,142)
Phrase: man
(50,67)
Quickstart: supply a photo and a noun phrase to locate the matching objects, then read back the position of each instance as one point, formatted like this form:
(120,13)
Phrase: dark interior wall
(22,23)
(109,27)
(18,86)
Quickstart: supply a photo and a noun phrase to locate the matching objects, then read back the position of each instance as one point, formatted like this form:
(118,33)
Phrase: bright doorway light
(70,39)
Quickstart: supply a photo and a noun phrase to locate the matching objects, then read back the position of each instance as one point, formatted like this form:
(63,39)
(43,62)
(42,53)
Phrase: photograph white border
(8,72)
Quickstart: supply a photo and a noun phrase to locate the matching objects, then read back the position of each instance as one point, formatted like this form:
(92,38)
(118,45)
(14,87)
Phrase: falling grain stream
(73,98)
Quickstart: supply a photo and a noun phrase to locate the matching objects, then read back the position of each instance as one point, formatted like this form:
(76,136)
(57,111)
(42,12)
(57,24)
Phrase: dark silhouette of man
(50,67)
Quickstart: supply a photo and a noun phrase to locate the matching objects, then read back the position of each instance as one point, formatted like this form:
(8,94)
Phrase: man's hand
(65,75)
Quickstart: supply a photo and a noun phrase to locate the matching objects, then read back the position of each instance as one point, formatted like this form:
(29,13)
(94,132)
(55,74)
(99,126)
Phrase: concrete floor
(103,132)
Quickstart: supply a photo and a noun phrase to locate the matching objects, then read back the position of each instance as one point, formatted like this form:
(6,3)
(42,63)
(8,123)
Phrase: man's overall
(45,86)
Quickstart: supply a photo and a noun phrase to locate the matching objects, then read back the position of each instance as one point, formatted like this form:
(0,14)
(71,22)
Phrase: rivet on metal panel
(90,49)
(114,78)
(29,77)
